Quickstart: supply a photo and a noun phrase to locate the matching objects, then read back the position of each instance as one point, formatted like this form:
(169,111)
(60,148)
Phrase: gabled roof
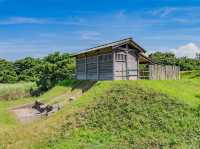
(113,44)
(144,59)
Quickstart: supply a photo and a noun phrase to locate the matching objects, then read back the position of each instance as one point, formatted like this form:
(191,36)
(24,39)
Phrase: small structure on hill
(119,60)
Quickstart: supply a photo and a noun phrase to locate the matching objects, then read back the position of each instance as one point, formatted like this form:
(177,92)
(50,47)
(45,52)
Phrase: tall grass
(15,91)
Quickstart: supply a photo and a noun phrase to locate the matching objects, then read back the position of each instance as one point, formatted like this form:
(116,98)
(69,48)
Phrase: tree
(197,56)
(185,63)
(28,69)
(7,73)
(57,67)
(163,58)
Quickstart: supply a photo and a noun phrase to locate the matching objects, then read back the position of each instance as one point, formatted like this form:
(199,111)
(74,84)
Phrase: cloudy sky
(38,27)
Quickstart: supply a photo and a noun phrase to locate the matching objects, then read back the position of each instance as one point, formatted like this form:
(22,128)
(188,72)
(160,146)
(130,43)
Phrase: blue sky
(38,27)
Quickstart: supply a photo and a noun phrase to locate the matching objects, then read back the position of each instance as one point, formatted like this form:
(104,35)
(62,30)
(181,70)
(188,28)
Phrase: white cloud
(162,12)
(90,35)
(189,50)
(121,14)
(24,20)
(33,20)
(166,11)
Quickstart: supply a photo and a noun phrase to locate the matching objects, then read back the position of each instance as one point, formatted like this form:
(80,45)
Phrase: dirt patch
(26,113)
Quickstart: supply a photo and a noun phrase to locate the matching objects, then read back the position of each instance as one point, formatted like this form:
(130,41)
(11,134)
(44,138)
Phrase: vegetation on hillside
(46,71)
(52,96)
(120,114)
(7,73)
(186,64)
(55,67)
(8,119)
(16,91)
(187,90)
(190,74)
(128,116)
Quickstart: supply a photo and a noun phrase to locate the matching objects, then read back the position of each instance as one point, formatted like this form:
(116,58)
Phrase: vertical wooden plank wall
(91,68)
(105,66)
(159,72)
(98,67)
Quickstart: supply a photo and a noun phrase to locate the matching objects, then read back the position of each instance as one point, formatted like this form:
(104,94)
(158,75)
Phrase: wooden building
(113,61)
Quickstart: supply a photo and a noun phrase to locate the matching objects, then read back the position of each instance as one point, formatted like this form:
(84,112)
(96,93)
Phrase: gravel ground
(26,113)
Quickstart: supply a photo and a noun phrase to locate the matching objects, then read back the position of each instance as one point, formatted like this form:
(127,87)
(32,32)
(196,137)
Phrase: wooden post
(85,67)
(97,67)
(126,63)
(113,53)
(138,68)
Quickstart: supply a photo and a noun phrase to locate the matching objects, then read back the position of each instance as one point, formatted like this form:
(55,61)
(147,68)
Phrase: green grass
(119,114)
(116,114)
(7,119)
(15,91)
(35,133)
(9,93)
(190,74)
(187,90)
(127,116)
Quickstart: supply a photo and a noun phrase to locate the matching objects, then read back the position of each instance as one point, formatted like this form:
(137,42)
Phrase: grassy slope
(7,119)
(8,95)
(190,74)
(128,116)
(159,120)
(36,133)
(184,90)
(8,92)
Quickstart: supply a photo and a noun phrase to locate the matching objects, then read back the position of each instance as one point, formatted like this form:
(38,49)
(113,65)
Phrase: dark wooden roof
(113,44)
(143,59)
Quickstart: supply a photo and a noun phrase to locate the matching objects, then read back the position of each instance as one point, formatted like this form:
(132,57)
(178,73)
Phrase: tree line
(185,64)
(46,72)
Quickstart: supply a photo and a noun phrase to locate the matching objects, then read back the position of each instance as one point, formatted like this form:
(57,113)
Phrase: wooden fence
(161,72)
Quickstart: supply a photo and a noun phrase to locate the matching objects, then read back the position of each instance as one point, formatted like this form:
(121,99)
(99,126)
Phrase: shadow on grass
(73,84)
(197,96)
(78,85)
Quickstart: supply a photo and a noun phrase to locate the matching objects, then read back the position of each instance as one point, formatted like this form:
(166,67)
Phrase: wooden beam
(138,67)
(126,62)
(85,67)
(113,53)
(97,67)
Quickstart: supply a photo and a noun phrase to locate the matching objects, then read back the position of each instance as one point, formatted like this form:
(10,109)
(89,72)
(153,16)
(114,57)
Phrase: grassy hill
(190,74)
(9,97)
(7,119)
(119,114)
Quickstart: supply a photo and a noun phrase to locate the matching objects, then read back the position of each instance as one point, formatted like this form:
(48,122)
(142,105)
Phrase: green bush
(57,68)
(7,73)
(47,71)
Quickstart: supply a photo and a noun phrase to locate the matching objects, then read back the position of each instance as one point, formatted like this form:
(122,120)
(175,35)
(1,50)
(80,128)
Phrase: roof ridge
(109,43)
